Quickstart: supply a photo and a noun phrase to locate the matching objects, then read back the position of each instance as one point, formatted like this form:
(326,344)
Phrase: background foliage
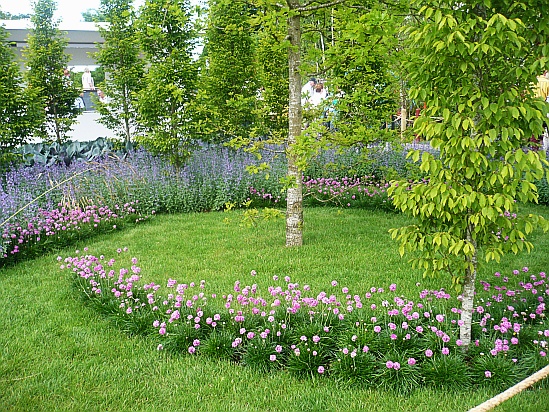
(18,115)
(46,59)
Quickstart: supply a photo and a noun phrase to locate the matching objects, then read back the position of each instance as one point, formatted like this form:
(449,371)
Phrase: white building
(81,37)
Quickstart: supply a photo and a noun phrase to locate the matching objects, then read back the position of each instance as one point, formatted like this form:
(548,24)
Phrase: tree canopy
(119,56)
(474,64)
(46,60)
(165,102)
(17,113)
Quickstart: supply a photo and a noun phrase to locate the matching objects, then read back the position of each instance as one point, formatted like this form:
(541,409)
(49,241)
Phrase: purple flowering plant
(44,207)
(41,206)
(366,191)
(332,332)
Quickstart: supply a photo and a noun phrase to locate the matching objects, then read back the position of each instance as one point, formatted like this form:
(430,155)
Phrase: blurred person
(319,94)
(67,81)
(79,102)
(102,96)
(87,80)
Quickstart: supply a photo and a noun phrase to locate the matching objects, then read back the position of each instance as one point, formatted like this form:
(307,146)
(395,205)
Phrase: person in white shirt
(87,80)
(319,94)
(103,97)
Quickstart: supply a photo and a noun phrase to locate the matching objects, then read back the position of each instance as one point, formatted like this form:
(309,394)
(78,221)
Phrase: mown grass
(57,354)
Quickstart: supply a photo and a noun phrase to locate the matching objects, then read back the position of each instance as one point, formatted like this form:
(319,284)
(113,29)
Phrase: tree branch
(311,7)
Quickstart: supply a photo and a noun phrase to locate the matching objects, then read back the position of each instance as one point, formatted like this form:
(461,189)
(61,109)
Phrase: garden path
(87,128)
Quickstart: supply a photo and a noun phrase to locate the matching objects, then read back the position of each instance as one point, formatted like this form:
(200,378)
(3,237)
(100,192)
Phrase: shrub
(355,367)
(397,373)
(496,371)
(213,177)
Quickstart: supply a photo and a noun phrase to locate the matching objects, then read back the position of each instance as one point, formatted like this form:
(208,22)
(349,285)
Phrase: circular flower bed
(379,338)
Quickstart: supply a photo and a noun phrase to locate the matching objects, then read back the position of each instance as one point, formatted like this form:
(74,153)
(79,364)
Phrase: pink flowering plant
(61,226)
(346,192)
(378,338)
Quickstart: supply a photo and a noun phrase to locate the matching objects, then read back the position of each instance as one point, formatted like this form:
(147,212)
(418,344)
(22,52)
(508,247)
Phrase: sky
(69,11)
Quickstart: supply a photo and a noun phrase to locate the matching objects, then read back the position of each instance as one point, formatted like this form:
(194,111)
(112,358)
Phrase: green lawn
(57,354)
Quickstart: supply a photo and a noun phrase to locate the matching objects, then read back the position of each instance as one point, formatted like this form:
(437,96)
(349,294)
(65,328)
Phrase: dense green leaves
(229,86)
(474,66)
(363,79)
(165,102)
(93,15)
(119,57)
(17,114)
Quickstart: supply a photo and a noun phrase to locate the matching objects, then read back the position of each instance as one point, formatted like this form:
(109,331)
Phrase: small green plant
(496,371)
(449,372)
(251,216)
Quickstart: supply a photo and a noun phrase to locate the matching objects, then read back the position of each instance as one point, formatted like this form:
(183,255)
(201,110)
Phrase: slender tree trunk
(127,129)
(332,28)
(294,208)
(56,124)
(468,295)
(126,119)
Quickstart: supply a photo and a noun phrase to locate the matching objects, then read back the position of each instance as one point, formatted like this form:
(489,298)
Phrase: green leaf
(514,112)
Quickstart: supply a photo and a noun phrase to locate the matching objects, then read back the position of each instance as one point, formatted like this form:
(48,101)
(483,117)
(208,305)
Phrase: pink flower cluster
(53,223)
(374,316)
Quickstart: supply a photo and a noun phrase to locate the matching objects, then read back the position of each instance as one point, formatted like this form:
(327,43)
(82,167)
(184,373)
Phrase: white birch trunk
(294,207)
(467,304)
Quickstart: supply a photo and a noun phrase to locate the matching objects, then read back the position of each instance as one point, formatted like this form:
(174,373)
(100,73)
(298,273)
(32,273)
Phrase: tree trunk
(294,208)
(467,303)
(126,110)
(56,124)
